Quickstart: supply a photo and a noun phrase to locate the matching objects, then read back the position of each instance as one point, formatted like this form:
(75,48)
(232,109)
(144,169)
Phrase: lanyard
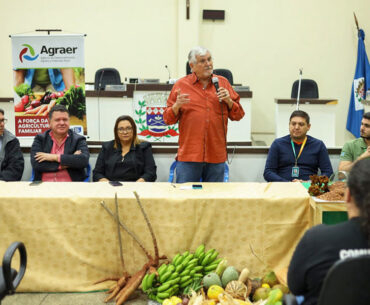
(300,151)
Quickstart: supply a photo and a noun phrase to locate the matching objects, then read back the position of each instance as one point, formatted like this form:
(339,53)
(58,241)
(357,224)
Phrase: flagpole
(299,87)
(356,21)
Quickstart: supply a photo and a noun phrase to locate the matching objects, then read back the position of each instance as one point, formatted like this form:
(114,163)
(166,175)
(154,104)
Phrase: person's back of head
(359,186)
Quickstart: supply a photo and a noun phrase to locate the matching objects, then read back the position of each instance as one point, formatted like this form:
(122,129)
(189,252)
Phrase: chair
(88,173)
(347,282)
(188,69)
(173,168)
(309,89)
(225,73)
(106,76)
(9,277)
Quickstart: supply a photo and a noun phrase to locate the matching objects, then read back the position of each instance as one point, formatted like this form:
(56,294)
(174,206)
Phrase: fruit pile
(183,273)
(201,278)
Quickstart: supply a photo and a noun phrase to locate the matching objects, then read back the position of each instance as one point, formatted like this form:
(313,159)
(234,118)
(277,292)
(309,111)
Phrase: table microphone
(101,77)
(169,73)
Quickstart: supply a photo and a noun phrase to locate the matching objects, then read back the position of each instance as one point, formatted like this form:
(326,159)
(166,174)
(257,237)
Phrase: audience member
(11,157)
(125,158)
(59,154)
(203,115)
(357,149)
(322,245)
(297,156)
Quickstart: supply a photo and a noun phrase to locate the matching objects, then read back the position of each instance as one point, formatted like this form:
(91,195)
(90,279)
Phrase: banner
(48,70)
(361,83)
(148,115)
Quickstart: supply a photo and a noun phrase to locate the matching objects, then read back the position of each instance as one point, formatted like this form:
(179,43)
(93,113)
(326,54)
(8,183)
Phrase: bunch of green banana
(184,269)
(208,259)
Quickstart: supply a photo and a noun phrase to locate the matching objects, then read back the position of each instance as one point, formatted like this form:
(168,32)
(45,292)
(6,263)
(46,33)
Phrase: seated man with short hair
(59,154)
(297,156)
(11,157)
(357,149)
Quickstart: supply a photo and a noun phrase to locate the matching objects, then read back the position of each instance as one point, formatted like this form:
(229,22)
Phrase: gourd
(237,289)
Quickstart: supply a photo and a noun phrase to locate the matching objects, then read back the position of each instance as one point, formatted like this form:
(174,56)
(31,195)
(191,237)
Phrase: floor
(89,298)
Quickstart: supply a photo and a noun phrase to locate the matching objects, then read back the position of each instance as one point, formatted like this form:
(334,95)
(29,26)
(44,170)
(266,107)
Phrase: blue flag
(360,85)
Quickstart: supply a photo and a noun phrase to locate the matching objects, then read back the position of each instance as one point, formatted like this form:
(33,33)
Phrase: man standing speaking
(202,103)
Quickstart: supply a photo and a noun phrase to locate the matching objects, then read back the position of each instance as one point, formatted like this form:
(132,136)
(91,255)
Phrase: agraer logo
(24,51)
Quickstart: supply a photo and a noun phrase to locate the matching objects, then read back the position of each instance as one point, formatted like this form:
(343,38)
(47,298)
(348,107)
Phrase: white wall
(264,42)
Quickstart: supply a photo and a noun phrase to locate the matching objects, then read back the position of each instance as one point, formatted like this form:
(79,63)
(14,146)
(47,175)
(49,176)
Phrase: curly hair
(358,183)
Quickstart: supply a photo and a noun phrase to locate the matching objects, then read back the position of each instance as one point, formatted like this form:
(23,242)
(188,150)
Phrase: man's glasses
(3,121)
(124,130)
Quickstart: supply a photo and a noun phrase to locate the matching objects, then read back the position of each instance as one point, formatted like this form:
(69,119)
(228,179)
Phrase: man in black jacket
(59,154)
(11,157)
(323,245)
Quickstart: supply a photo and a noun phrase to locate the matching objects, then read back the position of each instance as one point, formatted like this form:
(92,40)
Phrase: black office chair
(106,76)
(225,73)
(347,282)
(9,278)
(188,69)
(309,89)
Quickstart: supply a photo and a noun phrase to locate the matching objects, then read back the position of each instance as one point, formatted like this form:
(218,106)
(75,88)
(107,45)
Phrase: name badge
(295,171)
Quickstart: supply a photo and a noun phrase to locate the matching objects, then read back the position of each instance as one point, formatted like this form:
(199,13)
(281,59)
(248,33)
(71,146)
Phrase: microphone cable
(215,82)
(223,127)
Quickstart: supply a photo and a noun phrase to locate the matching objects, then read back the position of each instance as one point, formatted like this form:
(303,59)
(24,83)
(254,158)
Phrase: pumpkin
(237,290)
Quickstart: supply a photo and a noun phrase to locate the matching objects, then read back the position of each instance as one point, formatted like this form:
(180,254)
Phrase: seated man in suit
(11,157)
(59,154)
(297,156)
(357,149)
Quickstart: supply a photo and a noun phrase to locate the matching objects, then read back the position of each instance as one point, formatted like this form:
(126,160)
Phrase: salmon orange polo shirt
(202,136)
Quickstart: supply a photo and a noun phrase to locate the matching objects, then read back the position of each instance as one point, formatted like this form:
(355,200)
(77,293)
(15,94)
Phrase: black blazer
(12,164)
(76,163)
(137,163)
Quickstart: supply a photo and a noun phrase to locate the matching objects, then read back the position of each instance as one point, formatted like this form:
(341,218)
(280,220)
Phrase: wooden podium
(322,117)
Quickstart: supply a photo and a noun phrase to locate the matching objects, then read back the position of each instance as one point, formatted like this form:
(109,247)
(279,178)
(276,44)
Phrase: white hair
(197,51)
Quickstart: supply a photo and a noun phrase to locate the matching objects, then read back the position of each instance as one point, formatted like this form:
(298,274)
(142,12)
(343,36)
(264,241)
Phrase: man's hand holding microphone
(222,93)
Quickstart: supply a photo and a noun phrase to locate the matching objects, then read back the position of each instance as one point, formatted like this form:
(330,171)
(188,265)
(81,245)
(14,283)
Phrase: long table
(72,241)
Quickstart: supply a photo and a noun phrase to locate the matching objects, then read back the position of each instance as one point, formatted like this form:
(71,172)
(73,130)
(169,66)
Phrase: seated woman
(125,158)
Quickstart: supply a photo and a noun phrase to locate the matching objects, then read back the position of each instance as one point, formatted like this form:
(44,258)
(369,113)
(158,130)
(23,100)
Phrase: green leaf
(148,136)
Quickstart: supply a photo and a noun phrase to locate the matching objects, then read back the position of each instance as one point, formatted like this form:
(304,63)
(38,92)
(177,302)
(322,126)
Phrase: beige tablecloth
(71,240)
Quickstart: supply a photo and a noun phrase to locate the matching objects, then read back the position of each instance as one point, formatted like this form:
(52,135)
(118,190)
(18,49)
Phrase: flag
(361,83)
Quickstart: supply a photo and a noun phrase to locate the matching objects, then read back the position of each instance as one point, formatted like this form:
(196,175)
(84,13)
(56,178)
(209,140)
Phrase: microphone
(169,73)
(99,90)
(215,82)
(101,77)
